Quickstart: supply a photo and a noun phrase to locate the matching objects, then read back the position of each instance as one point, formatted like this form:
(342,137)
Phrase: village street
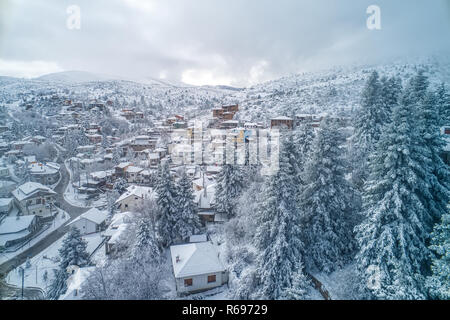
(8,292)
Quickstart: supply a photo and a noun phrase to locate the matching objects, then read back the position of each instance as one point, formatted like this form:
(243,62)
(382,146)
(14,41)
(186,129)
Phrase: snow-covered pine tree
(443,101)
(228,188)
(188,222)
(418,87)
(72,253)
(392,237)
(371,117)
(146,240)
(438,176)
(327,209)
(120,185)
(302,139)
(279,262)
(167,205)
(368,123)
(439,282)
(300,286)
(391,89)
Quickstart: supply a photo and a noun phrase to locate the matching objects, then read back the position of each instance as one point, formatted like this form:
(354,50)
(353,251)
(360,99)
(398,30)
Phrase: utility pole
(22,270)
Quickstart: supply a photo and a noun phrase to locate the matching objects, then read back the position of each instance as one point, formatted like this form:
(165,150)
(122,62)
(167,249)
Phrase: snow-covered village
(329,184)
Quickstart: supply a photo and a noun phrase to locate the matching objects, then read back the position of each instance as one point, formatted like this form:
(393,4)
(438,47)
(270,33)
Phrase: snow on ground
(339,284)
(80,200)
(46,261)
(61,218)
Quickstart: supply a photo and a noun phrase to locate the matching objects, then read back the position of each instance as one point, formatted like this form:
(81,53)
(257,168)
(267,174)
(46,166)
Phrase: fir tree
(146,240)
(302,143)
(438,175)
(279,263)
(368,123)
(392,237)
(371,116)
(443,101)
(229,187)
(391,89)
(439,282)
(167,205)
(188,222)
(120,185)
(327,202)
(72,253)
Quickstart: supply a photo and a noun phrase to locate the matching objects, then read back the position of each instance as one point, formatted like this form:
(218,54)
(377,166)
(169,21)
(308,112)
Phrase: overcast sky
(232,42)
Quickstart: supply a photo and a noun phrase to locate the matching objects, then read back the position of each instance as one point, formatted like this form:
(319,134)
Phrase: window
(212,278)
(187,282)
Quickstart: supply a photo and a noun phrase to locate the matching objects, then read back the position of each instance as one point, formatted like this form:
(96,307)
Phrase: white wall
(85,226)
(200,282)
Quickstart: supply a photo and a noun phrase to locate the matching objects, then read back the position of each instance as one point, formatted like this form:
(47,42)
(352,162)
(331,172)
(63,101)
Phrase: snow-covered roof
(28,189)
(133,169)
(41,168)
(281,118)
(16,224)
(123,165)
(5,201)
(205,200)
(137,191)
(198,238)
(93,215)
(195,259)
(4,238)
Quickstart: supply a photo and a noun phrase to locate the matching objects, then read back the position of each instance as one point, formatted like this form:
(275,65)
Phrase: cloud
(27,69)
(208,41)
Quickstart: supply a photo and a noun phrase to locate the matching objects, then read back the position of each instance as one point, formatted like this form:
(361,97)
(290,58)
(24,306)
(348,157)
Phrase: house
(232,108)
(141,143)
(132,174)
(134,197)
(94,138)
(6,187)
(120,169)
(46,174)
(91,221)
(34,198)
(282,122)
(119,224)
(303,118)
(197,267)
(229,124)
(204,199)
(6,205)
(4,172)
(14,230)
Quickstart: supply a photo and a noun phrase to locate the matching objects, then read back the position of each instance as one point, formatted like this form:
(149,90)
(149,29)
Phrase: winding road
(7,291)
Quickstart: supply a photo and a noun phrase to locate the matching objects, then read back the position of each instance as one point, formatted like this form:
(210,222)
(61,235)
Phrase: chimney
(177,258)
